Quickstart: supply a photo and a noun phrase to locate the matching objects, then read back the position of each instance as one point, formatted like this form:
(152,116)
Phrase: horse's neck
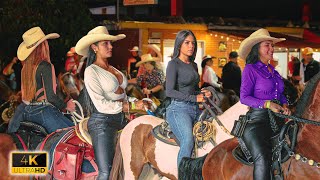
(308,144)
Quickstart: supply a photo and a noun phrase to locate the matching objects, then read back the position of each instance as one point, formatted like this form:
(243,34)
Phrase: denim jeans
(14,122)
(47,116)
(103,131)
(181,116)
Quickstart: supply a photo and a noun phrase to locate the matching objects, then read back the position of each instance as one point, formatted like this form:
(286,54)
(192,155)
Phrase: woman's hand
(71,106)
(206,93)
(201,98)
(146,91)
(279,109)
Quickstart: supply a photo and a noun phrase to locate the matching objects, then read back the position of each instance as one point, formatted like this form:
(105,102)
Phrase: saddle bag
(239,126)
(67,161)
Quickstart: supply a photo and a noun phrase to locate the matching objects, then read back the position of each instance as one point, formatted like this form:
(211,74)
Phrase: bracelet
(133,105)
(268,104)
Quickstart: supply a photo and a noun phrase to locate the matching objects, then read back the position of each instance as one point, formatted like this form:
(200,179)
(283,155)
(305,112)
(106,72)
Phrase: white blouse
(209,76)
(101,85)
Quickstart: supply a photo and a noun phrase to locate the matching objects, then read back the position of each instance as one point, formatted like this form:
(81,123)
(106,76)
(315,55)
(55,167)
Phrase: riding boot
(257,136)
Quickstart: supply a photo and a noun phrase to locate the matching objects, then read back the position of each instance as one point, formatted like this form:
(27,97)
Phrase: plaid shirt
(151,80)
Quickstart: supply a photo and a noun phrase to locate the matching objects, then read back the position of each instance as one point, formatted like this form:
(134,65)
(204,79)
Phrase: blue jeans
(14,122)
(103,131)
(181,116)
(47,116)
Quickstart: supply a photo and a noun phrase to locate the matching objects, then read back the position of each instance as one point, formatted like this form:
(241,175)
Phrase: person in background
(72,61)
(231,74)
(182,86)
(261,84)
(40,101)
(308,67)
(278,66)
(105,97)
(13,72)
(209,76)
(132,61)
(151,82)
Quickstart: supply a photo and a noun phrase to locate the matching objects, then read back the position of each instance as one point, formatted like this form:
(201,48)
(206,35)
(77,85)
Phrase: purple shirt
(259,85)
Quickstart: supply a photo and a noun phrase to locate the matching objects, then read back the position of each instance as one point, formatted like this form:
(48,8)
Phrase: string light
(210,34)
(216,35)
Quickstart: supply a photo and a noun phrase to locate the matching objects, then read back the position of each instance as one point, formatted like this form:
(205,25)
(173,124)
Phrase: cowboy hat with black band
(31,39)
(97,34)
(256,37)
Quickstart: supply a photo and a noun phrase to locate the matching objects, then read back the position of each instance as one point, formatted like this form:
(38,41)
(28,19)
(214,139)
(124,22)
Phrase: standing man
(231,74)
(307,68)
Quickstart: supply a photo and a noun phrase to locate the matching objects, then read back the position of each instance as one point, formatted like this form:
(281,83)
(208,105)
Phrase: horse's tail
(190,168)
(117,171)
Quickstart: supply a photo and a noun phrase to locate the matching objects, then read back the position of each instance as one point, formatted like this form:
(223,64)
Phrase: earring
(95,51)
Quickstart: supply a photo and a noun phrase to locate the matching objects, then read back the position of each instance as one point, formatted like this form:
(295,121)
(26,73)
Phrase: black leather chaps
(257,137)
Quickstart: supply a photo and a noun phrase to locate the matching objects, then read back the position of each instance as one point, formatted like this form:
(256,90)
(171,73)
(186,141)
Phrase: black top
(310,69)
(231,77)
(44,70)
(133,68)
(182,80)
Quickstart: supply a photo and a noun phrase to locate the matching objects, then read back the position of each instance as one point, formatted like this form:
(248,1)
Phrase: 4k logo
(29,162)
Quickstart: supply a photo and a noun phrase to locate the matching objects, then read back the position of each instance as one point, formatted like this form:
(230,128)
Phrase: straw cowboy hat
(146,58)
(135,48)
(31,39)
(256,37)
(99,33)
(155,48)
(71,52)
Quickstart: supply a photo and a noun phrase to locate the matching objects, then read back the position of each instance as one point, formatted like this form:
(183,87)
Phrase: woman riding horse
(41,104)
(261,84)
(105,95)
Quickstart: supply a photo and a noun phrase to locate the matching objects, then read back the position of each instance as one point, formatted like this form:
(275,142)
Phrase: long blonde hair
(30,65)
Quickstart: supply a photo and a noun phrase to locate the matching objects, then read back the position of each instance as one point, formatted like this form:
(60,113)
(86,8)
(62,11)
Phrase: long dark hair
(181,36)
(253,56)
(88,104)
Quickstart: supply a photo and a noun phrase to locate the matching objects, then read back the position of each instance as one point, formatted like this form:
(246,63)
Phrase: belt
(39,103)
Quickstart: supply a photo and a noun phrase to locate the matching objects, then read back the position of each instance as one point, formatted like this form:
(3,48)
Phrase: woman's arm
(45,71)
(247,89)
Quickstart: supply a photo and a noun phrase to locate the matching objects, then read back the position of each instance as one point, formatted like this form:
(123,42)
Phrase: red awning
(309,39)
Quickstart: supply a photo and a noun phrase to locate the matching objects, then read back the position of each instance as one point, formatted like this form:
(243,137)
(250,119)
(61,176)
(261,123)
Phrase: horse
(304,159)
(144,155)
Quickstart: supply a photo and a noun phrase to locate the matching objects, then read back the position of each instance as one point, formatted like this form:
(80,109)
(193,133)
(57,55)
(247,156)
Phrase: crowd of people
(104,87)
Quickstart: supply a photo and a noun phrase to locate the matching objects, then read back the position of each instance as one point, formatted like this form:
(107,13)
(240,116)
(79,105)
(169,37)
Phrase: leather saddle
(82,132)
(29,135)
(163,133)
(282,142)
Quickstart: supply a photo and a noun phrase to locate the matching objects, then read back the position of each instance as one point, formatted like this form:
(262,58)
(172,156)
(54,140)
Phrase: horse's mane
(306,95)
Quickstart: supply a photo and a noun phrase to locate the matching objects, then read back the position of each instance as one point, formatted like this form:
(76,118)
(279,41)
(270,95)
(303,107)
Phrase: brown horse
(221,164)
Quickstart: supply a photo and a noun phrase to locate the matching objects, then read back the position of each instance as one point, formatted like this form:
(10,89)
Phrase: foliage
(69,18)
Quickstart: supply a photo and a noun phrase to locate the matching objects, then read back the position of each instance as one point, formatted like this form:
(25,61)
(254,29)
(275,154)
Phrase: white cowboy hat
(31,39)
(135,48)
(147,58)
(99,33)
(256,37)
(155,48)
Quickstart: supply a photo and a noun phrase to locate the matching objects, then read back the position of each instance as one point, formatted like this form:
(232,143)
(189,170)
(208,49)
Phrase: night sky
(253,9)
